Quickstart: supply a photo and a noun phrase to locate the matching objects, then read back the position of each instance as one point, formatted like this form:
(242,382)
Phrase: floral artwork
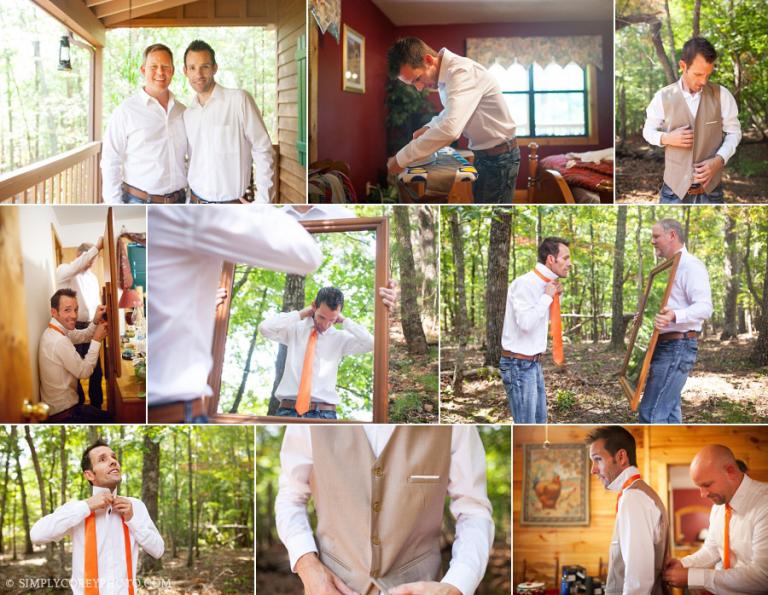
(327,13)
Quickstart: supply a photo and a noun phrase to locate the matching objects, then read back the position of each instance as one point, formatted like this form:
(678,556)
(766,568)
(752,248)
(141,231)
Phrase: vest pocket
(423,479)
(413,562)
(326,554)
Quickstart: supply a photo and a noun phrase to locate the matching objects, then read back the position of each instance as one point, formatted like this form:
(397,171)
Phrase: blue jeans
(667,197)
(524,384)
(316,414)
(496,177)
(672,362)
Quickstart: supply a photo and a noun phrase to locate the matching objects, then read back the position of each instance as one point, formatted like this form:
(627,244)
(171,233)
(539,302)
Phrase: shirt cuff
(462,577)
(297,546)
(654,137)
(546,299)
(680,317)
(725,154)
(702,578)
(85,510)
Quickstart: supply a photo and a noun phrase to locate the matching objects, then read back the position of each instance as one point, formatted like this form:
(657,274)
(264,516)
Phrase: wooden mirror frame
(634,393)
(380,399)
(113,351)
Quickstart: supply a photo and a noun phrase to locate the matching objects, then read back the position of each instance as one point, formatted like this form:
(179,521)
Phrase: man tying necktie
(639,542)
(533,300)
(107,530)
(734,557)
(315,350)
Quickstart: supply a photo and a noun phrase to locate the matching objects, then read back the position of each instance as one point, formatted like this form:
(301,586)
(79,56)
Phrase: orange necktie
(727,538)
(305,385)
(627,483)
(91,573)
(57,329)
(555,325)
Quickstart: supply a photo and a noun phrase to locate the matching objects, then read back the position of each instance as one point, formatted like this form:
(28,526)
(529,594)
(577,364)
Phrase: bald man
(742,567)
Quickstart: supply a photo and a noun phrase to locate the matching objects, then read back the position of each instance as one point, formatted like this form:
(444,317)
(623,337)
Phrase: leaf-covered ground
(639,174)
(722,388)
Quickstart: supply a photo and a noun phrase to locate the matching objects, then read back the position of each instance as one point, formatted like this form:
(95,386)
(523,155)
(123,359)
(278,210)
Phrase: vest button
(374,574)
(376,506)
(378,472)
(375,540)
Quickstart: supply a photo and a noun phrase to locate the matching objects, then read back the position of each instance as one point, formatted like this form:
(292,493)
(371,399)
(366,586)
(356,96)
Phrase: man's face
(105,469)
(67,312)
(199,69)
(325,317)
(157,72)
(715,482)
(604,465)
(663,241)
(697,74)
(560,264)
(421,77)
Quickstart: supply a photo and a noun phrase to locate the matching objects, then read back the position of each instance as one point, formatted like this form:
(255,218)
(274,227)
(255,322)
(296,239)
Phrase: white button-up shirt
(332,345)
(76,275)
(527,313)
(473,106)
(189,245)
(748,537)
(691,296)
(60,364)
(655,116)
(226,137)
(145,146)
(638,526)
(316,212)
(69,519)
(466,489)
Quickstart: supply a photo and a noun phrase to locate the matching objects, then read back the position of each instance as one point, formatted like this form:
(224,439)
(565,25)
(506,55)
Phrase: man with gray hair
(145,145)
(679,324)
(78,276)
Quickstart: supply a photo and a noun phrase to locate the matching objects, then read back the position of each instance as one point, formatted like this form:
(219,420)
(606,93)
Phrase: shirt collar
(688,93)
(98,490)
(309,323)
(146,98)
(57,324)
(215,94)
(446,56)
(740,495)
(546,271)
(615,485)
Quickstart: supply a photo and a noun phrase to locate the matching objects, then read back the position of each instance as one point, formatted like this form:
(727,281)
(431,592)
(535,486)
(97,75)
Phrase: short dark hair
(616,438)
(85,462)
(156,47)
(84,247)
(56,297)
(551,245)
(198,45)
(407,50)
(331,297)
(698,46)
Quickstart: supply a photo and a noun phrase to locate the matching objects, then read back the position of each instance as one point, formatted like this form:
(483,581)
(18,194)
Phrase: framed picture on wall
(555,485)
(353,61)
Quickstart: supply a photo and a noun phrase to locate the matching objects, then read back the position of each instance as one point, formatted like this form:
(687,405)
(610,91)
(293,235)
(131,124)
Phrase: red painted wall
(692,524)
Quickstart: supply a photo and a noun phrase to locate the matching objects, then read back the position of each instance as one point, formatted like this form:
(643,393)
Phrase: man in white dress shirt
(145,145)
(226,136)
(679,325)
(77,276)
(734,557)
(60,364)
(697,123)
(189,245)
(473,105)
(639,543)
(107,530)
(379,520)
(531,298)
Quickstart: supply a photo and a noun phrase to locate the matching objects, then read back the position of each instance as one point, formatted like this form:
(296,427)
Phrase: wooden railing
(69,178)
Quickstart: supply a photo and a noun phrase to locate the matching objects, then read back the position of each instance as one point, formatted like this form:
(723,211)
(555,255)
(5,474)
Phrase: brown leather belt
(313,406)
(175,412)
(165,199)
(678,336)
(201,201)
(696,190)
(505,147)
(530,358)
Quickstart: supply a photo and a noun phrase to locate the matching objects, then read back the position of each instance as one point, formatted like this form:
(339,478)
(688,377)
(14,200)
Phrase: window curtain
(582,50)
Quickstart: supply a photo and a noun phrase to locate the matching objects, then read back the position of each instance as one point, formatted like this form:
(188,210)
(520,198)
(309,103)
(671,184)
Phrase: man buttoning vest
(107,530)
(639,542)
(697,123)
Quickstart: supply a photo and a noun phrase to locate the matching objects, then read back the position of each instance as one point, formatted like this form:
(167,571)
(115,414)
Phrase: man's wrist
(305,562)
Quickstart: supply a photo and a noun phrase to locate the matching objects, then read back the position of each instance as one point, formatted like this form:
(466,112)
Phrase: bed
(572,178)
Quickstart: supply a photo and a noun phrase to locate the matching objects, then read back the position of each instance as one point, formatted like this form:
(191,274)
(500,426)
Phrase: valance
(582,50)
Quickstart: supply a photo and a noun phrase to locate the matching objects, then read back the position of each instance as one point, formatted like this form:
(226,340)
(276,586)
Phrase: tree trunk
(461,311)
(247,367)
(497,281)
(293,299)
(40,485)
(175,538)
(593,281)
(639,247)
(658,44)
(4,498)
(618,326)
(760,351)
(732,274)
(20,480)
(409,307)
(696,18)
(150,483)
(670,33)
(191,525)
(429,261)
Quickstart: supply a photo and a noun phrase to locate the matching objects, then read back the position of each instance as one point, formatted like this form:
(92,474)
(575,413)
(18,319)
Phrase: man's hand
(675,573)
(309,311)
(318,579)
(419,132)
(388,294)
(221,296)
(99,316)
(393,167)
(339,319)
(680,137)
(100,501)
(100,243)
(100,332)
(664,318)
(553,288)
(705,170)
(124,507)
(425,588)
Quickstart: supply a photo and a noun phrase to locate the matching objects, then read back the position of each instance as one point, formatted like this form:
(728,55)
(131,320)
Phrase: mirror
(642,340)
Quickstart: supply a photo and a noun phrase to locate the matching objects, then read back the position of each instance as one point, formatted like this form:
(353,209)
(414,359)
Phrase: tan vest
(707,135)
(380,518)
(616,568)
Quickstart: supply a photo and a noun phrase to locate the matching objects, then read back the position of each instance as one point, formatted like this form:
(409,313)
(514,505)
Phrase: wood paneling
(539,549)
(197,13)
